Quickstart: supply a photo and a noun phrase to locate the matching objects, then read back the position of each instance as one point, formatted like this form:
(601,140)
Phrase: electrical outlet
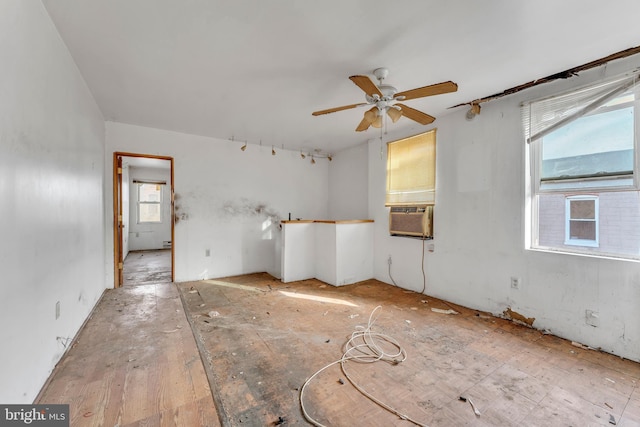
(389,260)
(515,283)
(592,318)
(207,252)
(57,310)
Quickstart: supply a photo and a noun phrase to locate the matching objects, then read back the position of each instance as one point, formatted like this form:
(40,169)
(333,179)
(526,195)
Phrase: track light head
(473,111)
(244,147)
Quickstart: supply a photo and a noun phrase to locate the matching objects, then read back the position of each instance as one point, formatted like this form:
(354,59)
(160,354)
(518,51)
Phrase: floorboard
(265,338)
(137,363)
(147,267)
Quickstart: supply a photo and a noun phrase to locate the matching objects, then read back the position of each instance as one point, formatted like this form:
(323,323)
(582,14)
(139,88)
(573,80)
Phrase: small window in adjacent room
(411,170)
(150,202)
(583,169)
(581,224)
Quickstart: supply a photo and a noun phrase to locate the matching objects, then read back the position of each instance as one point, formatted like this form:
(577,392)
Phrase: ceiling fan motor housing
(383,102)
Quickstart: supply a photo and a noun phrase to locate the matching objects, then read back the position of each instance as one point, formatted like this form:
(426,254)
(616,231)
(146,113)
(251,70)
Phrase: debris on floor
(213,313)
(441,311)
(582,346)
(612,420)
(518,318)
(281,420)
(466,399)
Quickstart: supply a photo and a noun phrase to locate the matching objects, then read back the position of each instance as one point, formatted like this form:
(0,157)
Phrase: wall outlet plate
(591,318)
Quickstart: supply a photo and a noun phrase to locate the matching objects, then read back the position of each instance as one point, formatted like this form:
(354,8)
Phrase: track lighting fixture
(273,151)
(313,161)
(244,147)
(302,155)
(329,158)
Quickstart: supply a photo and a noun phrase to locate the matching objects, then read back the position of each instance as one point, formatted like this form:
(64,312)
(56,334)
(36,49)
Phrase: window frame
(577,187)
(141,203)
(590,184)
(407,197)
(567,224)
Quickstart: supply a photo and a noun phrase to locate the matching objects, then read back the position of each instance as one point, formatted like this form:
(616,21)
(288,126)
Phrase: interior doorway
(143,215)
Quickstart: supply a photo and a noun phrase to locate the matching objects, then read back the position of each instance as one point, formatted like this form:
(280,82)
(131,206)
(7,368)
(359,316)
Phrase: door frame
(117,212)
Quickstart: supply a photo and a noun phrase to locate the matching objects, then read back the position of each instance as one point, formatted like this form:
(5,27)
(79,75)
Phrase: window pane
(582,230)
(149,212)
(599,144)
(583,209)
(149,192)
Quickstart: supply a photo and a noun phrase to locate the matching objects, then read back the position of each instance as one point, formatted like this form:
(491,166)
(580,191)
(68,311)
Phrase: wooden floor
(137,363)
(147,267)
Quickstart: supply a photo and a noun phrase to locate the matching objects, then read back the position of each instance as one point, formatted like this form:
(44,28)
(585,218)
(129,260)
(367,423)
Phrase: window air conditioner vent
(414,221)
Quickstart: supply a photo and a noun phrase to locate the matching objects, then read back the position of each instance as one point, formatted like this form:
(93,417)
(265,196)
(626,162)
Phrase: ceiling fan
(383,97)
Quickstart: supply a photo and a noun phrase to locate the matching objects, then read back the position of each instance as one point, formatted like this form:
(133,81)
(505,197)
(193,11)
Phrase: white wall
(348,184)
(51,192)
(147,235)
(232,199)
(479,243)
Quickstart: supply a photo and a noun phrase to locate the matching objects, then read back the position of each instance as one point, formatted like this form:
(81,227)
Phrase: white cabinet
(336,252)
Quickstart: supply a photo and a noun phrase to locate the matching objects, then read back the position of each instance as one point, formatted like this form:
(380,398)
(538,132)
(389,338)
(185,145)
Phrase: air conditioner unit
(411,221)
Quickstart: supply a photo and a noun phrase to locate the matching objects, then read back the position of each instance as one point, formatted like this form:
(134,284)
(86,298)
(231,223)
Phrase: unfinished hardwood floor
(263,339)
(147,267)
(135,363)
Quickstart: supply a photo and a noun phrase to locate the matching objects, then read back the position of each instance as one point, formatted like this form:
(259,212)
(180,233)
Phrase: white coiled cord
(364,347)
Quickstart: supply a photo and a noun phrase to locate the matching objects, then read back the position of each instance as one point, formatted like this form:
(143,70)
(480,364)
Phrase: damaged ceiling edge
(561,75)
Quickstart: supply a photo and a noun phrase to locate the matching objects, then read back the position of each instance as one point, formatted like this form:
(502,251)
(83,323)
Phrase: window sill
(613,257)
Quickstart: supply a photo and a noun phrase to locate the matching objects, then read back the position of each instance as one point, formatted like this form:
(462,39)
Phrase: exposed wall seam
(561,75)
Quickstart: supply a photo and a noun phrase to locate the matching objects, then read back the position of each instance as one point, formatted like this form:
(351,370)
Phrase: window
(150,202)
(584,169)
(411,170)
(581,224)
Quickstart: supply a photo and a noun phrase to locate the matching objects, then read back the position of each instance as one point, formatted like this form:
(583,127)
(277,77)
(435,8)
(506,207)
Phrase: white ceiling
(255,70)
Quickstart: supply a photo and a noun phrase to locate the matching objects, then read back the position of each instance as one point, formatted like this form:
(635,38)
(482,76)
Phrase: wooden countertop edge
(321,221)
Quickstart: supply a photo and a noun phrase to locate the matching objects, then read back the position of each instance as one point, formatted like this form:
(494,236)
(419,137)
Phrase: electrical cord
(363,347)
(390,276)
(424,276)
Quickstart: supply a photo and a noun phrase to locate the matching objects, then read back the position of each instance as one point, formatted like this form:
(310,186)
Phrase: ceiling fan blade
(421,92)
(394,114)
(333,110)
(369,117)
(365,83)
(364,125)
(418,116)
